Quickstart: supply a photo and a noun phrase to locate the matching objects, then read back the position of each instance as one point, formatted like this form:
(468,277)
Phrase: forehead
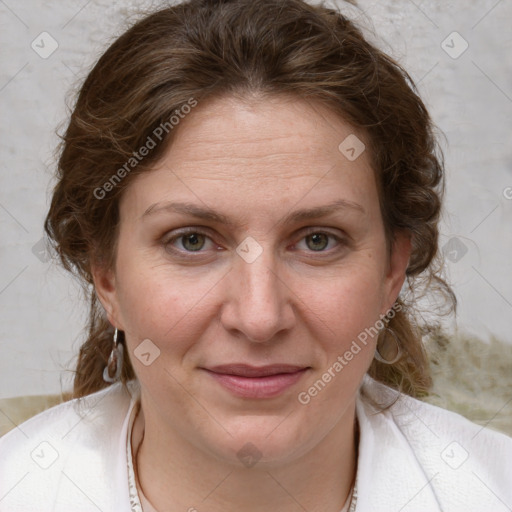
(273,128)
(259,151)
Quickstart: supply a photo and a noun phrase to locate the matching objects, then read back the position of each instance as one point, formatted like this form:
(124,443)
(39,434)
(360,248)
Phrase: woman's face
(256,241)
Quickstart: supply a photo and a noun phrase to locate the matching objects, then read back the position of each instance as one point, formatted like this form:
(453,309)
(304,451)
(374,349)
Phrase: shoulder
(415,417)
(465,464)
(64,452)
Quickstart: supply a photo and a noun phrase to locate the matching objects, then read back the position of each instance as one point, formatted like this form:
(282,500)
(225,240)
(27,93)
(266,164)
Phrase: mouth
(248,381)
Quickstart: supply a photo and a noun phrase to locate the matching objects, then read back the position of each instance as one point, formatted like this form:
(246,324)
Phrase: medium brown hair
(200,49)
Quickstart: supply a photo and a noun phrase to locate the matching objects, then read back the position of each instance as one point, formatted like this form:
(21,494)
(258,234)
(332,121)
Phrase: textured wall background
(465,78)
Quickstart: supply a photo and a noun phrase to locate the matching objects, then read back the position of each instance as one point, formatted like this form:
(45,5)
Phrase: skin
(255,161)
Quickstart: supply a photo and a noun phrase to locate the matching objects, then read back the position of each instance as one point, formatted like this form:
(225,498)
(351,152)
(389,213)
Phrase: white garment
(413,457)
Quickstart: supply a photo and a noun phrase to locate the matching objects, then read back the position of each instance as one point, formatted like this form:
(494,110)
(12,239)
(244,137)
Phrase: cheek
(348,302)
(347,349)
(164,306)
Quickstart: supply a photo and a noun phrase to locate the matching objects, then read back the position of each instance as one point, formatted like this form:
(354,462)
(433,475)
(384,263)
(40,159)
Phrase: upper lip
(245,370)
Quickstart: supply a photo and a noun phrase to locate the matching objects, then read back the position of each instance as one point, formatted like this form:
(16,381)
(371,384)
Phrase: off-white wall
(470,98)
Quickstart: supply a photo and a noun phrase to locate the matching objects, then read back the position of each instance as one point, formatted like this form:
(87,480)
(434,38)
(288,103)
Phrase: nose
(259,299)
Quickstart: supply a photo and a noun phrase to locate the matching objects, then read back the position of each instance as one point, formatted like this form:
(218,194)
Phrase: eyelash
(167,241)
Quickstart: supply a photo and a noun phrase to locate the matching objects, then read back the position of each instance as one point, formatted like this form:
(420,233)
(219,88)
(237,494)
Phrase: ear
(105,286)
(401,247)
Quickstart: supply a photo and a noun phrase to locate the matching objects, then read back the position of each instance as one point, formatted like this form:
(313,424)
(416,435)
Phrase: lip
(248,381)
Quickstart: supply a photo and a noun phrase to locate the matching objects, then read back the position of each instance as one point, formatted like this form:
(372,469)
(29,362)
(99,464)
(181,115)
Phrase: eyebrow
(206,213)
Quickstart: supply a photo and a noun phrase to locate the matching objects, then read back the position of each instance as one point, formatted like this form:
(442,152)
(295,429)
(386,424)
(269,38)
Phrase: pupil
(318,238)
(194,239)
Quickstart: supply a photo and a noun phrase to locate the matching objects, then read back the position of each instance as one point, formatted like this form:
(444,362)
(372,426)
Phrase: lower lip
(258,387)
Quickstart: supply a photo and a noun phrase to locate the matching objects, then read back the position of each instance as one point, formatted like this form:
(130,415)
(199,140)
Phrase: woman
(244,188)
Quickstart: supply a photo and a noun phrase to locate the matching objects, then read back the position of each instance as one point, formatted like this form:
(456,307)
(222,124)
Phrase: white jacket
(413,457)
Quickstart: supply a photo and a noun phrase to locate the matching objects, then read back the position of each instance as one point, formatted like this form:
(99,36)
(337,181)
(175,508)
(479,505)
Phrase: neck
(175,475)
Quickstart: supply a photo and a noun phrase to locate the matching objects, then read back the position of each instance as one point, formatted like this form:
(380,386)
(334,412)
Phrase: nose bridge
(259,277)
(259,296)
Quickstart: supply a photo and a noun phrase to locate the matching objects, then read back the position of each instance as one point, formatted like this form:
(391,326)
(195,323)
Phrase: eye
(187,241)
(318,241)
(193,240)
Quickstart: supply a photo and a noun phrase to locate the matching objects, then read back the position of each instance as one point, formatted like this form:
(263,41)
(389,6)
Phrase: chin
(264,442)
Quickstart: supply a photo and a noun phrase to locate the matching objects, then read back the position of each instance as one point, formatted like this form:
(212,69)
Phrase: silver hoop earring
(393,359)
(115,362)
